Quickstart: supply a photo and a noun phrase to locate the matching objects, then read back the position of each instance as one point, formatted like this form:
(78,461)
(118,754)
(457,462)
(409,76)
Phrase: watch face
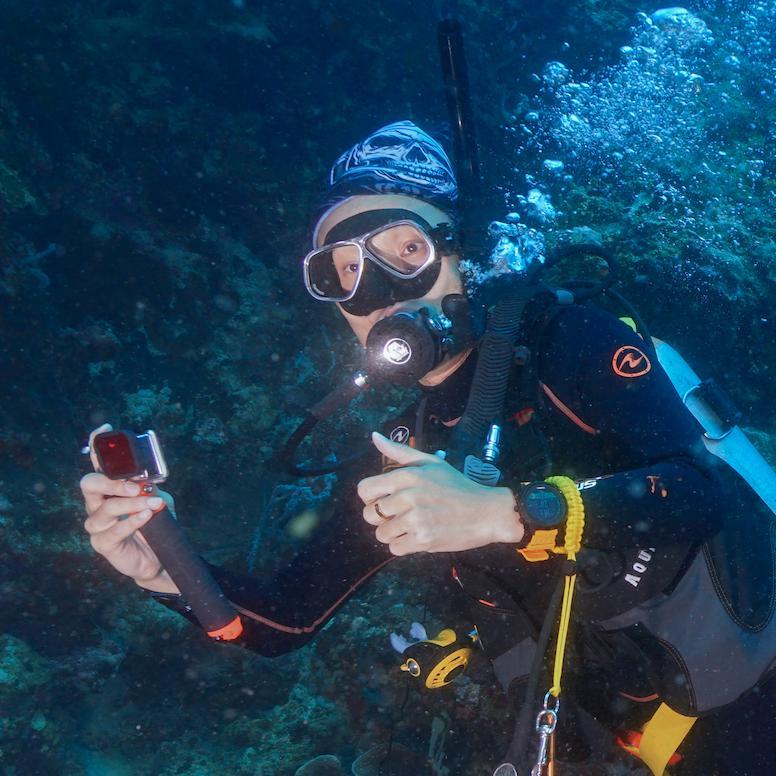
(544,504)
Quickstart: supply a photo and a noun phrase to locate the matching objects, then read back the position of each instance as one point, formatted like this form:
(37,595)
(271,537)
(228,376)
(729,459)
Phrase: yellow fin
(443,638)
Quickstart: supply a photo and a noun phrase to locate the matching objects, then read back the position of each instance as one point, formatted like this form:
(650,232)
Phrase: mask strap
(446,238)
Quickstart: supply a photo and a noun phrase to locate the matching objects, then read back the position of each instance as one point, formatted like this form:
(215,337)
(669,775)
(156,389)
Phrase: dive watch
(541,506)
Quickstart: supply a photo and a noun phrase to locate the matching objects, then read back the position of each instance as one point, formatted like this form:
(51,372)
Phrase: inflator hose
(591,287)
(494,364)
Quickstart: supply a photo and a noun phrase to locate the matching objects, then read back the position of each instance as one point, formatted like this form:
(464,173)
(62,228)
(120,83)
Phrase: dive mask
(392,263)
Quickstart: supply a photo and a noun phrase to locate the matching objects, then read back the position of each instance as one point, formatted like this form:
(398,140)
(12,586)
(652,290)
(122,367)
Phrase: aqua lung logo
(587,484)
(629,361)
(400,434)
(640,566)
(397,351)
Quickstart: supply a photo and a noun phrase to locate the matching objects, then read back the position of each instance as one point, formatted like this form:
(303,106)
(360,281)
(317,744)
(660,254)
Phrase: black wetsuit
(610,419)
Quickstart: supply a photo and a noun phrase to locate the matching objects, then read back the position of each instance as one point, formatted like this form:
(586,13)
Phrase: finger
(92,455)
(381,485)
(107,541)
(390,530)
(401,501)
(404,455)
(97,487)
(404,545)
(386,508)
(371,516)
(396,504)
(114,508)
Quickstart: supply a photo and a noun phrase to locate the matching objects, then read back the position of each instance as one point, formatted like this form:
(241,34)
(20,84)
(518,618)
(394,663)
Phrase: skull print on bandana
(400,157)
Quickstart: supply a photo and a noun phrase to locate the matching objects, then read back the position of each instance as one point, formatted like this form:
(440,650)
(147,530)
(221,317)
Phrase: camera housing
(124,455)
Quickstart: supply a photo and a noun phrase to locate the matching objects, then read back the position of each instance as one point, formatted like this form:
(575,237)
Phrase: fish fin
(399,643)
(417,631)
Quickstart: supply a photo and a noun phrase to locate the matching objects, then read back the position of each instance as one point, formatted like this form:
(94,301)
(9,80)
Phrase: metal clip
(505,769)
(546,721)
(492,444)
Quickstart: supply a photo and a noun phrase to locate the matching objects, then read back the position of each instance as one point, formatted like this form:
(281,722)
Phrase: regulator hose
(331,403)
(494,365)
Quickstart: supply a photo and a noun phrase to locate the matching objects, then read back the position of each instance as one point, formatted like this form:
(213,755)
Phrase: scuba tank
(718,417)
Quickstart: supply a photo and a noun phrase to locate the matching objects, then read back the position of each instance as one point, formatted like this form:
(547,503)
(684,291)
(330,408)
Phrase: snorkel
(459,109)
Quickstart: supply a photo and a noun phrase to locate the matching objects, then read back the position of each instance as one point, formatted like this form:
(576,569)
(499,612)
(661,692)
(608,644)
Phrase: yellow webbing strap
(575,525)
(563,632)
(662,736)
(541,545)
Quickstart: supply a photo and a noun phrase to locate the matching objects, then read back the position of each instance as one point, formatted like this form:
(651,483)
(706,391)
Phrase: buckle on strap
(541,545)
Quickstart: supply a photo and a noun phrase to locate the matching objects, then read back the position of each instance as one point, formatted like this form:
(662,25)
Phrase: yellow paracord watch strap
(543,542)
(575,515)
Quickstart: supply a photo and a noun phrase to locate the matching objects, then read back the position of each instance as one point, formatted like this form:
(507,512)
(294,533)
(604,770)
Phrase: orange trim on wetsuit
(568,412)
(325,616)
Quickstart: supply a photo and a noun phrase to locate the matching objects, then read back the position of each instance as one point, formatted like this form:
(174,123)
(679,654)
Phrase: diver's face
(406,252)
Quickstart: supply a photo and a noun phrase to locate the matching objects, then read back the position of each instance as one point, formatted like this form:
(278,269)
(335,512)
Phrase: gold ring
(379,511)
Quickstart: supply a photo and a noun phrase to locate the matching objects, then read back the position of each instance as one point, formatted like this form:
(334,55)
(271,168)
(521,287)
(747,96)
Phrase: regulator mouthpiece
(409,344)
(404,347)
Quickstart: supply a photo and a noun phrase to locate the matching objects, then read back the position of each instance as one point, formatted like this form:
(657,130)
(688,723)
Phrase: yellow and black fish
(435,661)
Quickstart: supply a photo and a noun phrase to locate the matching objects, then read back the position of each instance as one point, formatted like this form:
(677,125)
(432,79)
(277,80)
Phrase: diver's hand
(428,506)
(115,511)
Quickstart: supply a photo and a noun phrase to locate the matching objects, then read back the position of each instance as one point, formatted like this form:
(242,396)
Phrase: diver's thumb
(404,455)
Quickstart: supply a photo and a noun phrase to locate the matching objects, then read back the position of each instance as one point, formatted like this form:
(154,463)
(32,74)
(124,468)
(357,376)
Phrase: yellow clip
(540,546)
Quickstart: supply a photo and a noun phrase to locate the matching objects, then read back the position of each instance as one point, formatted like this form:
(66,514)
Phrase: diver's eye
(412,254)
(351,268)
(415,250)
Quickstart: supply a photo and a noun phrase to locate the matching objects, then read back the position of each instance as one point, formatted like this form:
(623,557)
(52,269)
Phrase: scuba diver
(562,429)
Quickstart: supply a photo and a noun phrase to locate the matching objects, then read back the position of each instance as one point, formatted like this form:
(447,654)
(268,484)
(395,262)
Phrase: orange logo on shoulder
(629,361)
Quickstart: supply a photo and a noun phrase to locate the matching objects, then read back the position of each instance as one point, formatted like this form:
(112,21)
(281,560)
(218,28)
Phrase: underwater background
(160,163)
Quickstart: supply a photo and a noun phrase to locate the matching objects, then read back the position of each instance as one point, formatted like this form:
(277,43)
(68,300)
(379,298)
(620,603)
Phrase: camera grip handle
(192,577)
